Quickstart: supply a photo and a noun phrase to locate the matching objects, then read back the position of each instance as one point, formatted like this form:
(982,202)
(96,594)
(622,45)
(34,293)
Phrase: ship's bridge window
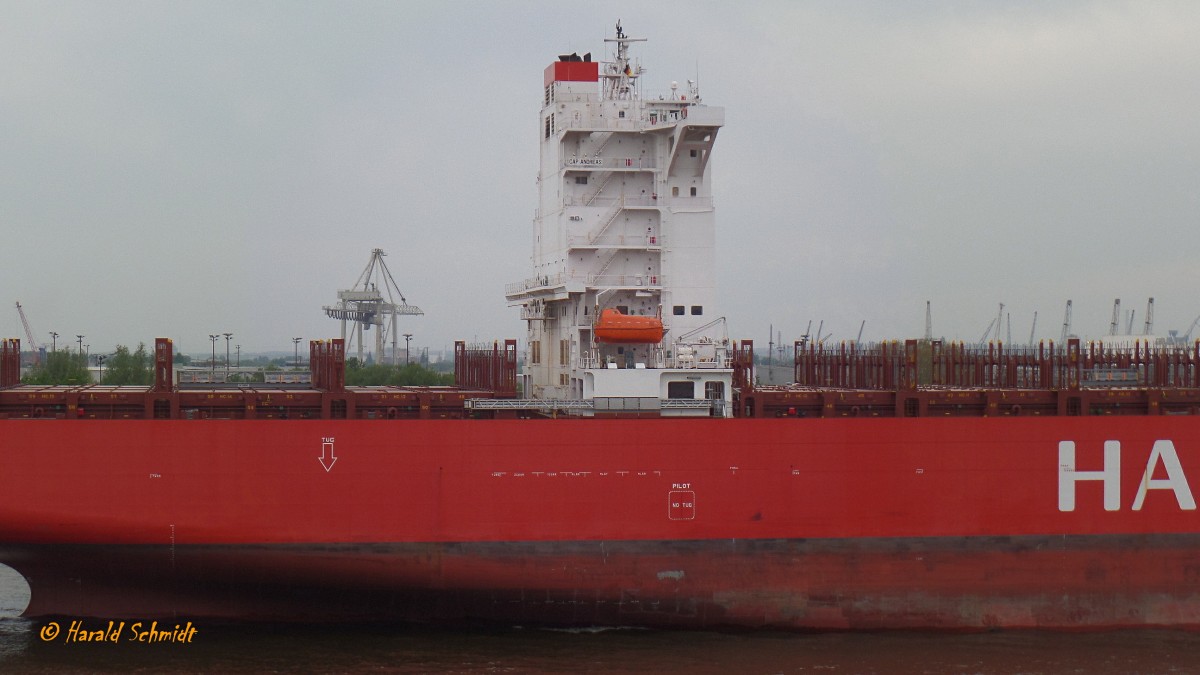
(684,389)
(697,310)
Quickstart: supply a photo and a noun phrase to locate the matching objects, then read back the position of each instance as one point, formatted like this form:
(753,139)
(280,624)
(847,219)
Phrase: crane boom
(1116,319)
(986,333)
(33,345)
(1188,335)
(1149,317)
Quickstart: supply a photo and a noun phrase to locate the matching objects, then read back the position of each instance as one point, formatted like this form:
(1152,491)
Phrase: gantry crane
(366,305)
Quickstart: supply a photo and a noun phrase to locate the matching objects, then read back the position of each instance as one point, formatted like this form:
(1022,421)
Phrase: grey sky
(186,168)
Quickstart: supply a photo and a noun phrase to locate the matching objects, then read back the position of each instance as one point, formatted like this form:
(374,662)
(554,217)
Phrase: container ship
(631,472)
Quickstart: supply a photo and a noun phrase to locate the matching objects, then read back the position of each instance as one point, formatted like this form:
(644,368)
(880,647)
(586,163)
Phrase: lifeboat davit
(615,327)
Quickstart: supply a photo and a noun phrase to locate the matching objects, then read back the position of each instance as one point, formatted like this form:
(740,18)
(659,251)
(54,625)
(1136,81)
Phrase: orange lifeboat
(615,327)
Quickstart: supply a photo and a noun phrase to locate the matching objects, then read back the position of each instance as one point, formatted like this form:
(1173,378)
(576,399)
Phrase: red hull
(788,523)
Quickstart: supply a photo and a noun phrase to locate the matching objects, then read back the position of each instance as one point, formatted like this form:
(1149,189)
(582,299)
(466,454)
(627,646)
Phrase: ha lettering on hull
(1163,459)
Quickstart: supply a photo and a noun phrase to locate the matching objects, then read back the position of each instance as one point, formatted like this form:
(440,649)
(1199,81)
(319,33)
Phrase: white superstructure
(625,221)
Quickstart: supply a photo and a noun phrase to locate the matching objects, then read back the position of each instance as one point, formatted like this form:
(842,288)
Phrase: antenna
(770,345)
(1066,323)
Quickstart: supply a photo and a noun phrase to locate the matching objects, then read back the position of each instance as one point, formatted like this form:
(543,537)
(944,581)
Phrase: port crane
(33,345)
(1116,317)
(997,323)
(1187,337)
(1149,317)
(986,333)
(372,302)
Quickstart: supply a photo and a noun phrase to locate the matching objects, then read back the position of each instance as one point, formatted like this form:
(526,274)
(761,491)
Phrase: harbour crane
(1187,337)
(1149,317)
(1116,318)
(986,333)
(998,323)
(33,345)
(1033,328)
(372,299)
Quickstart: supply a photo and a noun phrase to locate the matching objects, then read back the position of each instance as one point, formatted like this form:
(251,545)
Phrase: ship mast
(621,75)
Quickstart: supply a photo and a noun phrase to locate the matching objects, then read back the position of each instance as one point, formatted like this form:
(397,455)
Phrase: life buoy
(39,412)
(391,413)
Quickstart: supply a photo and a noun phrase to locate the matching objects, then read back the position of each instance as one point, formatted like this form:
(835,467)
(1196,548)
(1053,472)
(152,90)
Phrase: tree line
(67,367)
(124,367)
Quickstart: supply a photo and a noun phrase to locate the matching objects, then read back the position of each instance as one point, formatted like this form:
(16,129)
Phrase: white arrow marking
(327,457)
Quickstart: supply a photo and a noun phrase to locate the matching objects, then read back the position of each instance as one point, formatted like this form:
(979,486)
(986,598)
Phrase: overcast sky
(183,168)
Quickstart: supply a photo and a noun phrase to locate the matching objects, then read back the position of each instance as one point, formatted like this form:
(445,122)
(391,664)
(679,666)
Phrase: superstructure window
(581,180)
(679,310)
(684,389)
(535,352)
(548,126)
(693,153)
(697,310)
(693,192)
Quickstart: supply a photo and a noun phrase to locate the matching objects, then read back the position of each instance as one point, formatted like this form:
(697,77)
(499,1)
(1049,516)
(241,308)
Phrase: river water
(45,646)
